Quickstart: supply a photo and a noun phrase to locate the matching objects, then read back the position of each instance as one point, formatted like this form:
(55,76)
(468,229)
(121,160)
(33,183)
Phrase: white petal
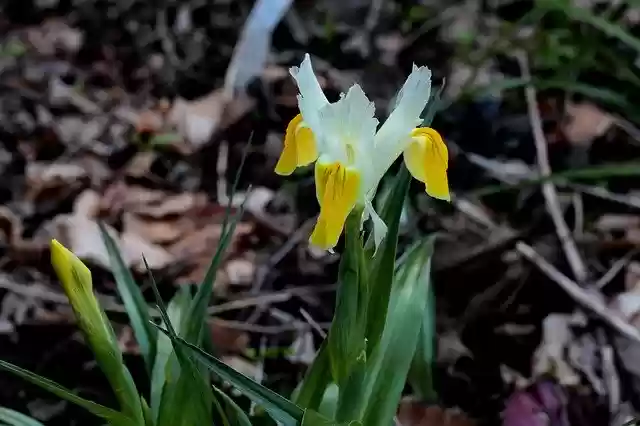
(379,227)
(350,122)
(393,135)
(311,99)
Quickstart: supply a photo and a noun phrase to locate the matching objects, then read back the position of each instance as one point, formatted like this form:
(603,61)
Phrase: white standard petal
(393,135)
(311,99)
(348,129)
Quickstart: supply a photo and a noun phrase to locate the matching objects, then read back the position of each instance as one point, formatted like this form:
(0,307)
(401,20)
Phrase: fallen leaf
(187,228)
(228,340)
(585,122)
(415,413)
(616,222)
(155,231)
(82,236)
(52,182)
(240,271)
(140,164)
(549,357)
(198,120)
(134,247)
(55,34)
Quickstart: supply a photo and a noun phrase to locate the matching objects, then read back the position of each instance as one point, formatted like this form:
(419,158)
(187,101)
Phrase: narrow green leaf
(383,264)
(187,396)
(176,311)
(421,372)
(235,415)
(133,300)
(280,408)
(112,416)
(390,363)
(349,397)
(201,300)
(313,418)
(15,418)
(609,28)
(198,309)
(346,337)
(315,382)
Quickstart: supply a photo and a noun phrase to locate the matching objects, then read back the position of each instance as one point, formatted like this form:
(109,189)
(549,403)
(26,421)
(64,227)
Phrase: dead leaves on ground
(415,413)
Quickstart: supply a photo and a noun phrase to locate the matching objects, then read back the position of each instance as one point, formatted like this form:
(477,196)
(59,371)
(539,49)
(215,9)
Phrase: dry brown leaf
(198,120)
(82,236)
(187,226)
(228,340)
(140,164)
(155,231)
(415,413)
(585,122)
(549,357)
(134,247)
(55,34)
(53,181)
(149,121)
(241,271)
(616,222)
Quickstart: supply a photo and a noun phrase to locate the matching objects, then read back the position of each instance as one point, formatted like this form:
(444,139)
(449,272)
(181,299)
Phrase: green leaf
(176,311)
(349,398)
(134,303)
(96,328)
(187,395)
(609,28)
(198,310)
(113,417)
(346,337)
(235,415)
(315,382)
(383,264)
(421,372)
(280,408)
(313,418)
(390,363)
(15,418)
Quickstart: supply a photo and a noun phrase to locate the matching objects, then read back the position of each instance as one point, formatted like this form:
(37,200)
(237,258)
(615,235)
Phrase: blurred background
(137,114)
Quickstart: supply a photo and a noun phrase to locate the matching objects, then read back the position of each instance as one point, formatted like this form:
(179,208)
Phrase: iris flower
(352,154)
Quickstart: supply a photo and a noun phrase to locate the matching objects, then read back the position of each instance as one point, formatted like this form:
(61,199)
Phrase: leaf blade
(133,300)
(112,416)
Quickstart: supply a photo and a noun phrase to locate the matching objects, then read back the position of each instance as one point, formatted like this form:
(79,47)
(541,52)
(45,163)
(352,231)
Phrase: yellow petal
(299,147)
(427,159)
(337,188)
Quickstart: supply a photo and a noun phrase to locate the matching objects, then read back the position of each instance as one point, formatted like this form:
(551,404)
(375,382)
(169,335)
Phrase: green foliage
(383,318)
(571,48)
(10,417)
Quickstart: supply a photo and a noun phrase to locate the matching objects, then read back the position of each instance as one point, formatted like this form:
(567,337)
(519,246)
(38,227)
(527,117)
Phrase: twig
(265,299)
(548,189)
(264,329)
(589,300)
(313,323)
(615,269)
(263,270)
